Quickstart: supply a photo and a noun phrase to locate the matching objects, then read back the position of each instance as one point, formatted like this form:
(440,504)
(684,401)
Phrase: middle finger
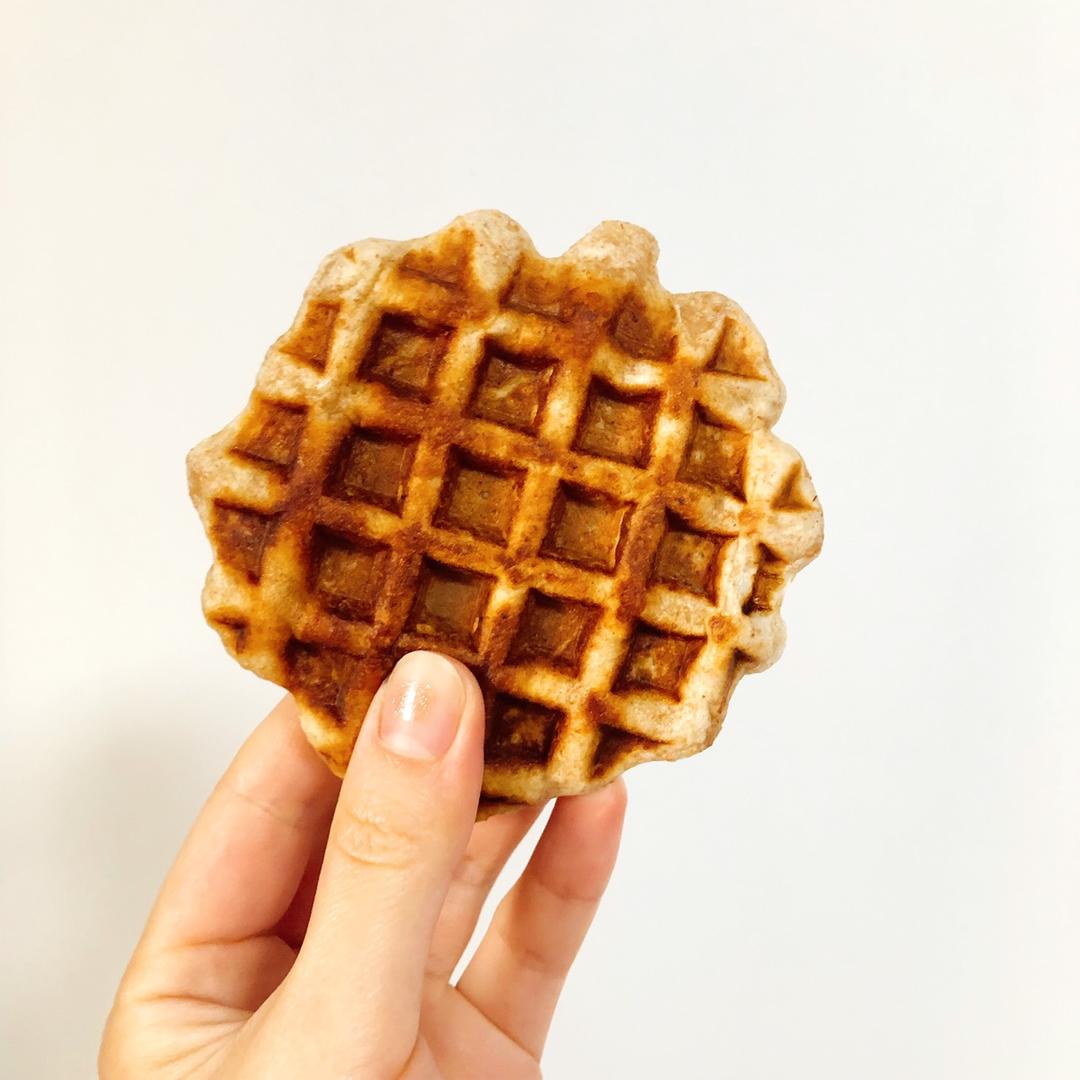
(490,845)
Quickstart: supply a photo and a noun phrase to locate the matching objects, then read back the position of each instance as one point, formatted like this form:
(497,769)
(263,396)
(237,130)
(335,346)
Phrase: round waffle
(551,469)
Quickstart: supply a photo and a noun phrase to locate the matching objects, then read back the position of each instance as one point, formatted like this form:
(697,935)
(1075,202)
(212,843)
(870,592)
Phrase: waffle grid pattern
(550,469)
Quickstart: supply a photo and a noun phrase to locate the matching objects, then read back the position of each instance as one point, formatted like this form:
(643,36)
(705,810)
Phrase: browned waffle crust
(551,469)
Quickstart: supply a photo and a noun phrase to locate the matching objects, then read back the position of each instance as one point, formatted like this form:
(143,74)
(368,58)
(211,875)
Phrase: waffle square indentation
(617,425)
(554,631)
(240,536)
(768,581)
(373,466)
(478,496)
(790,493)
(448,268)
(535,293)
(271,435)
(512,389)
(715,456)
(450,603)
(346,572)
(520,731)
(730,356)
(233,630)
(686,558)
(614,745)
(320,675)
(636,333)
(657,660)
(310,342)
(585,527)
(405,355)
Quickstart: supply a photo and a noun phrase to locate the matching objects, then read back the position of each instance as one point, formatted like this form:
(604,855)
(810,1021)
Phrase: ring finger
(518,971)
(491,844)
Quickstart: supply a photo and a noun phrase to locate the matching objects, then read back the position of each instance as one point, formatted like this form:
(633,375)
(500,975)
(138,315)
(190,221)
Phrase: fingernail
(422,706)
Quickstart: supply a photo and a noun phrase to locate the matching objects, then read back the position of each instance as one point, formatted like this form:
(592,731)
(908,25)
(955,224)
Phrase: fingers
(490,845)
(405,813)
(292,926)
(239,868)
(518,972)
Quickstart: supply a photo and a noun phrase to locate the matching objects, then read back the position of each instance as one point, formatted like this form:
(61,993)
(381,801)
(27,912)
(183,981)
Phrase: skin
(310,927)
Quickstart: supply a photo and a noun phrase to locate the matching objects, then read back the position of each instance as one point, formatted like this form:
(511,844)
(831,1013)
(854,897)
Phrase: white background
(875,872)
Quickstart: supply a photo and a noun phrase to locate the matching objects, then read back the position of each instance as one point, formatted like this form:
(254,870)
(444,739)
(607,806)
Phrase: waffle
(551,469)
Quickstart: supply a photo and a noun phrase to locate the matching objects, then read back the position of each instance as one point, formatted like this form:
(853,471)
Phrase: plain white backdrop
(875,872)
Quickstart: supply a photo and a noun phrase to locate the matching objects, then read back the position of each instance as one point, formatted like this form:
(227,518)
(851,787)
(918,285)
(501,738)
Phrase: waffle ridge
(551,469)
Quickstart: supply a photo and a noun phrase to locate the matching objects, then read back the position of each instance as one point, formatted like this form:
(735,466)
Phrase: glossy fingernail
(422,706)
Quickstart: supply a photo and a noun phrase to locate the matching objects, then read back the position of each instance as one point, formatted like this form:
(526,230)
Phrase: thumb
(403,818)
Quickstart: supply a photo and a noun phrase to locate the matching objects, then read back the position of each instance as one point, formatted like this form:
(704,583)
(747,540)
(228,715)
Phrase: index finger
(243,860)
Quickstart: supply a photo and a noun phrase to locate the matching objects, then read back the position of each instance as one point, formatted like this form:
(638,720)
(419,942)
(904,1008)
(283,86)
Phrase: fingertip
(617,795)
(278,754)
(473,710)
(286,705)
(421,714)
(468,746)
(605,804)
(422,736)
(581,842)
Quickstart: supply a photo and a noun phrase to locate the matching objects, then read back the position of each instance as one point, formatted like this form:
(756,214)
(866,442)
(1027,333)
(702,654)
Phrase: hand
(310,928)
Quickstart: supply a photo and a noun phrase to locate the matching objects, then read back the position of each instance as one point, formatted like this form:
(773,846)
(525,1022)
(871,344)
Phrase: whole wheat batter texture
(551,469)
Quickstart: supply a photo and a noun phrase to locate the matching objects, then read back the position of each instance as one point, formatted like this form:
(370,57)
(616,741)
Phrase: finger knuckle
(475,873)
(369,834)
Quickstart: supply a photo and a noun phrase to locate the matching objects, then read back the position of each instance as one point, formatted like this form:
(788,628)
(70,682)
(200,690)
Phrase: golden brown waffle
(551,469)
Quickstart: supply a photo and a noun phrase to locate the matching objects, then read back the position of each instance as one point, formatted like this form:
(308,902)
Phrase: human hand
(310,927)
